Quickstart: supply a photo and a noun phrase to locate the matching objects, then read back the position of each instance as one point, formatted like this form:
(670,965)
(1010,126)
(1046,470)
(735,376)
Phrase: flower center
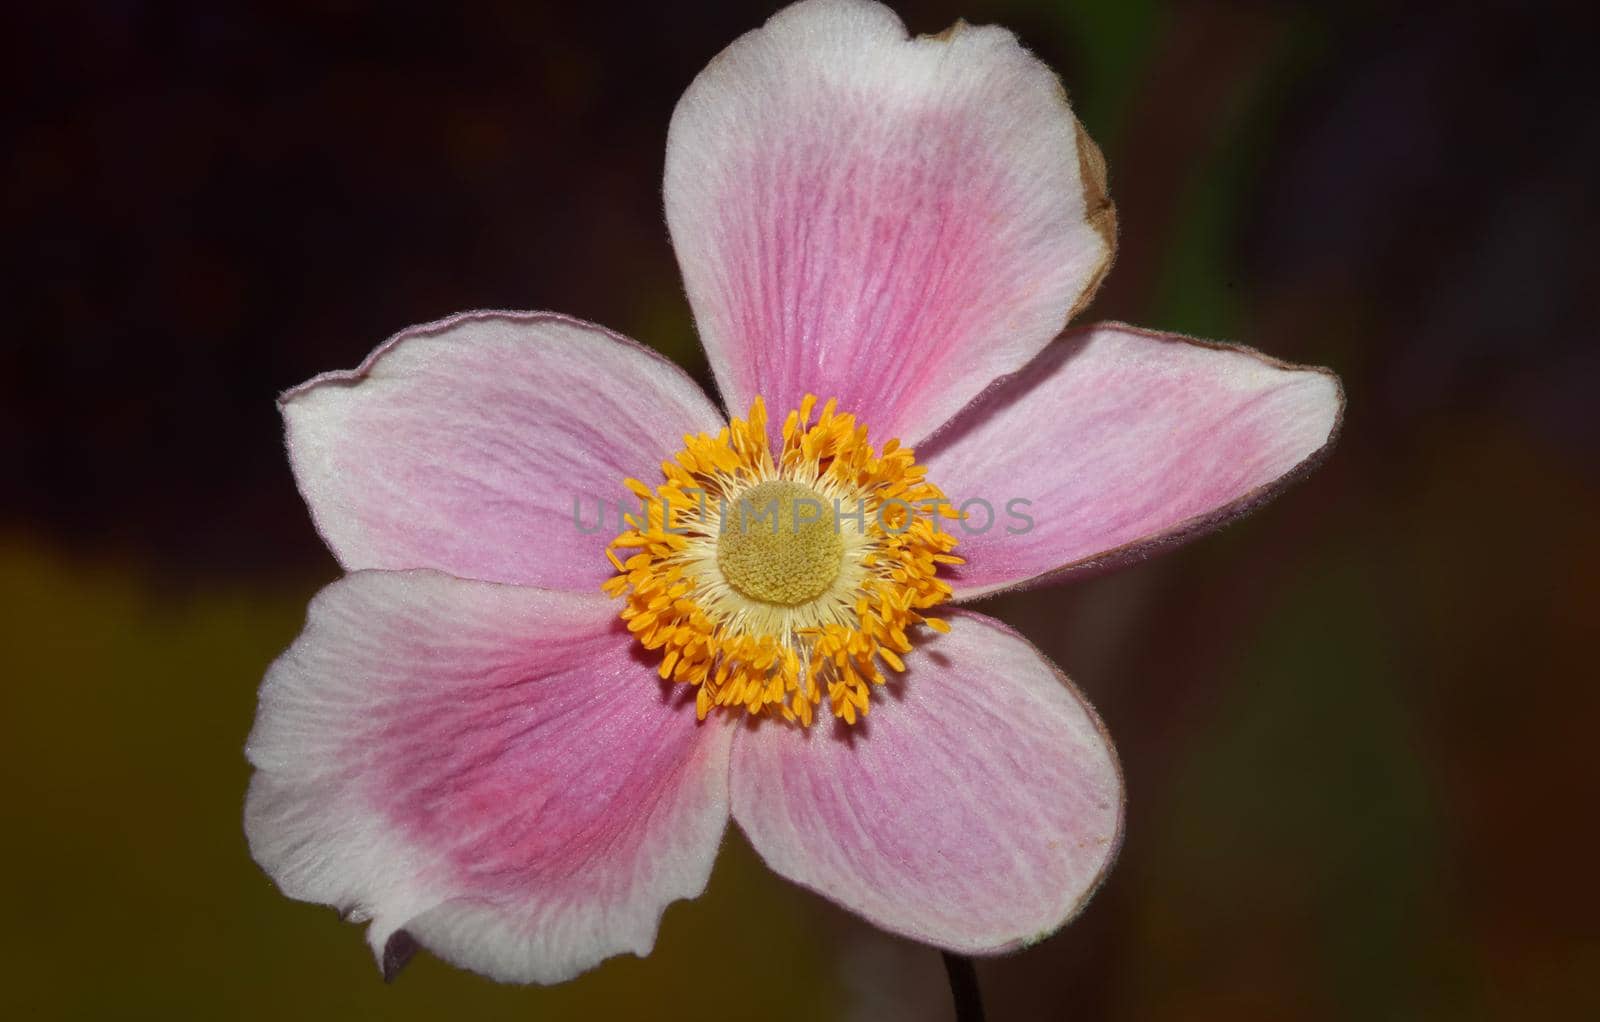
(768,582)
(779,544)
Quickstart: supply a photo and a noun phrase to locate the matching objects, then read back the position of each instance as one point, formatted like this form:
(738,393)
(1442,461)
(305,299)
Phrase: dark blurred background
(1357,727)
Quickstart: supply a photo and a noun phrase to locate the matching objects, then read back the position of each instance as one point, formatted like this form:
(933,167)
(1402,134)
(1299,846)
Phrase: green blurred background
(1357,727)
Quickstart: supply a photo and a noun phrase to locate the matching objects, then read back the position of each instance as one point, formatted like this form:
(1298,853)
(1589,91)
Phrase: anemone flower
(513,736)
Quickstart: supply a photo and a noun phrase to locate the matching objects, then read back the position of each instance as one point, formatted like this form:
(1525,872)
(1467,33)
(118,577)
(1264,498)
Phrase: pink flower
(517,739)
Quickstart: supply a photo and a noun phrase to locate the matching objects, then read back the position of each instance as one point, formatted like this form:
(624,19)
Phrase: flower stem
(964,987)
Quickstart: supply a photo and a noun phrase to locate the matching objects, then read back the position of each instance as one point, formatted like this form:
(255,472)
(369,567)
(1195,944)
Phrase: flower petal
(976,809)
(463,446)
(1121,439)
(486,768)
(892,222)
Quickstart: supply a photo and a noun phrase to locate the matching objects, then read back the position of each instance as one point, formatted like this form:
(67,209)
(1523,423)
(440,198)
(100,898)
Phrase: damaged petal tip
(398,951)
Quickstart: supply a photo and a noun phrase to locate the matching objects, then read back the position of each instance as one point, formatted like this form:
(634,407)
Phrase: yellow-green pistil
(779,544)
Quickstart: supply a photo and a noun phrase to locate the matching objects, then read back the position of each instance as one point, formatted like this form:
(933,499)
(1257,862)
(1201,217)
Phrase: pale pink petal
(893,222)
(1116,439)
(976,809)
(487,768)
(463,445)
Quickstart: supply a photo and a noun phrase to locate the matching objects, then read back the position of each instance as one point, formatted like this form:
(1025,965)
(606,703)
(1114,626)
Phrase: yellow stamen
(769,583)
